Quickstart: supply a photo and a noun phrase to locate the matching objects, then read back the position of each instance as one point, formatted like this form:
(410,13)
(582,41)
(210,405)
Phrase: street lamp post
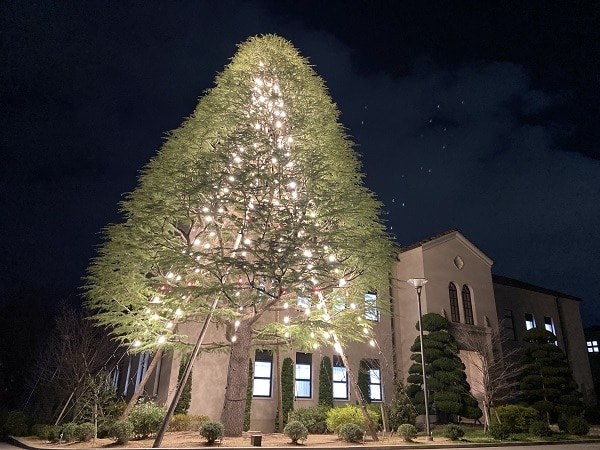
(418,284)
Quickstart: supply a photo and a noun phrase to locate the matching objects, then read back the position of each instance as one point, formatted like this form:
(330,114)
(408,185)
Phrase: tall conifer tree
(255,201)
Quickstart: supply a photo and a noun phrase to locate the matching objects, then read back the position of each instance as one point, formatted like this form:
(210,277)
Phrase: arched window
(454,311)
(467,306)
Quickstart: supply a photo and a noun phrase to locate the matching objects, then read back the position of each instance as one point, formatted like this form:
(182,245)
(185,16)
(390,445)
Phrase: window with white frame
(549,325)
(340,379)
(375,392)
(371,310)
(263,373)
(593,347)
(529,321)
(303,375)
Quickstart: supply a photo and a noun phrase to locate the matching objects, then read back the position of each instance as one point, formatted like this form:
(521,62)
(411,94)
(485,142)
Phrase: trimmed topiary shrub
(350,432)
(85,431)
(453,432)
(146,418)
(68,431)
(313,418)
(105,425)
(296,431)
(47,432)
(212,431)
(336,417)
(16,424)
(516,417)
(407,432)
(122,431)
(578,426)
(539,428)
(499,431)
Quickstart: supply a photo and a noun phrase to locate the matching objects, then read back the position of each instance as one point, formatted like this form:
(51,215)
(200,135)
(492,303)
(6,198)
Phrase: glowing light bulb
(286,319)
(208,218)
(372,343)
(307,253)
(326,317)
(331,258)
(366,330)
(178,312)
(233,338)
(161,339)
(315,346)
(342,282)
(352,305)
(307,311)
(237,323)
(231,178)
(326,334)
(286,305)
(154,317)
(312,334)
(286,334)
(156,300)
(178,278)
(169,324)
(247,241)
(196,241)
(136,343)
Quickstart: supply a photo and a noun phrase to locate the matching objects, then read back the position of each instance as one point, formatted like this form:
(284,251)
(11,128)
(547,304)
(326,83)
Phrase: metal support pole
(429,437)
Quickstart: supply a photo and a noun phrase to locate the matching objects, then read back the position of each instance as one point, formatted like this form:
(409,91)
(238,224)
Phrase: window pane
(303,389)
(374,376)
(339,390)
(304,302)
(375,392)
(339,374)
(262,387)
(262,369)
(303,371)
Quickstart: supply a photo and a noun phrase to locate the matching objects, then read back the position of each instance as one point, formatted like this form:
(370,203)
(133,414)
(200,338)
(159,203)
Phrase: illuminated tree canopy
(256,201)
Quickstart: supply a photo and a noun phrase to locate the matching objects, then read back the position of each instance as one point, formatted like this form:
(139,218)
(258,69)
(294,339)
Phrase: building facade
(460,286)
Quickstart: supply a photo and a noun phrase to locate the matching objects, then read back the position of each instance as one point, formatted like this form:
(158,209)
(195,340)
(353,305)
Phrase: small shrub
(186,422)
(453,432)
(336,417)
(313,418)
(47,432)
(85,431)
(499,431)
(146,418)
(407,432)
(53,433)
(539,428)
(350,432)
(16,424)
(68,431)
(105,425)
(212,431)
(296,431)
(516,417)
(122,431)
(578,426)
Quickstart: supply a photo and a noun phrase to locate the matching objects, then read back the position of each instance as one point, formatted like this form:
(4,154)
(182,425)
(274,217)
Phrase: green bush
(350,432)
(16,424)
(122,431)
(68,431)
(296,431)
(407,432)
(105,425)
(313,418)
(499,431)
(516,417)
(539,428)
(212,431)
(45,431)
(85,431)
(187,422)
(578,426)
(453,432)
(336,417)
(146,418)
(400,410)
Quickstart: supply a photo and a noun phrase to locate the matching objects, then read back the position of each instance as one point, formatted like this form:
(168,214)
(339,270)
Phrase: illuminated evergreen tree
(326,382)
(255,202)
(447,384)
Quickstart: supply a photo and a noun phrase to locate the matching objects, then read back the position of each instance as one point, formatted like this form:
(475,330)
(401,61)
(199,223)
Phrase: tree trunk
(142,385)
(234,404)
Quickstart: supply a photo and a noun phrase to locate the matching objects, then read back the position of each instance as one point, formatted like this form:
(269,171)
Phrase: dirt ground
(190,439)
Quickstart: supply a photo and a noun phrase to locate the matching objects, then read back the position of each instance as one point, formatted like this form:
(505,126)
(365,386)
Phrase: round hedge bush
(539,428)
(121,430)
(499,431)
(296,431)
(407,432)
(84,432)
(350,432)
(578,426)
(453,432)
(212,431)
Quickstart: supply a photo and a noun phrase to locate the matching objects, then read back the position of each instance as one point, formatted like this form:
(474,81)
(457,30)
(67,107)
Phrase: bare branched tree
(494,362)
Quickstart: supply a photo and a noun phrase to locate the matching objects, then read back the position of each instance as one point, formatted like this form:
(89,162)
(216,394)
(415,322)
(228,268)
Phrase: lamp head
(417,282)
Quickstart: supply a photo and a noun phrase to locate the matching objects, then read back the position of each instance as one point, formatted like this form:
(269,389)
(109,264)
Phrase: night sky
(480,116)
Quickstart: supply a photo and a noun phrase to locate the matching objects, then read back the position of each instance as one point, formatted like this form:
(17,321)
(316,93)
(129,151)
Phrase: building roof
(424,241)
(499,279)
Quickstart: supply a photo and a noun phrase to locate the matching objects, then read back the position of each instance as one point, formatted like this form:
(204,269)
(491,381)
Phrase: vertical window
(549,325)
(263,372)
(592,347)
(529,321)
(142,368)
(304,302)
(375,381)
(340,379)
(371,311)
(303,375)
(509,324)
(454,311)
(467,305)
